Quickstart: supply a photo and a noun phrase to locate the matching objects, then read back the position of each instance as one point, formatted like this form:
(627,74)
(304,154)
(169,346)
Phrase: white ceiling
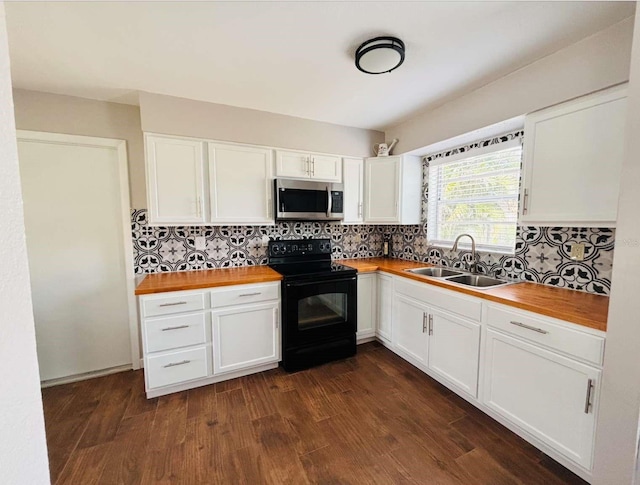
(294,58)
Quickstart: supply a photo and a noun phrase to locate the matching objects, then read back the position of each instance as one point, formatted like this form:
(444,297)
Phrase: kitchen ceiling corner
(292,58)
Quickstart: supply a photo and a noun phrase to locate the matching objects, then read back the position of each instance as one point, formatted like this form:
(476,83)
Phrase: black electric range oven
(319,303)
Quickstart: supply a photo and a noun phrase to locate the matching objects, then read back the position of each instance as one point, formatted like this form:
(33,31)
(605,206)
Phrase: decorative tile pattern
(161,249)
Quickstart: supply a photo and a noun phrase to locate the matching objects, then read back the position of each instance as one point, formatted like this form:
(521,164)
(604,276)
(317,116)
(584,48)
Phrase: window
(477,195)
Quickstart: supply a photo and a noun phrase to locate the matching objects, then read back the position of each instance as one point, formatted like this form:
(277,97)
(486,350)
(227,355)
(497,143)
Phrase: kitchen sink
(434,272)
(477,281)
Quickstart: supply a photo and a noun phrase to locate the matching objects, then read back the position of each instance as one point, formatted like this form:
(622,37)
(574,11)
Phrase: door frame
(120,147)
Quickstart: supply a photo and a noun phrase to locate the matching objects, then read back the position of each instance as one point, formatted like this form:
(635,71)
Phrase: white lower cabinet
(367,305)
(198,337)
(245,336)
(410,329)
(385,305)
(550,396)
(454,349)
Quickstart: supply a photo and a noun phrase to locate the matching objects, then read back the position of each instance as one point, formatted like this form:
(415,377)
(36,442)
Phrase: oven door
(318,310)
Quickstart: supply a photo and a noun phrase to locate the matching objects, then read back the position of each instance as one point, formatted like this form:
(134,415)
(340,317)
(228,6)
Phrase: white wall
(23,451)
(620,402)
(594,63)
(55,113)
(180,116)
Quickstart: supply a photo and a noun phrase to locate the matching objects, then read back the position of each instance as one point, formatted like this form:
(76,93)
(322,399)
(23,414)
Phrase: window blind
(477,195)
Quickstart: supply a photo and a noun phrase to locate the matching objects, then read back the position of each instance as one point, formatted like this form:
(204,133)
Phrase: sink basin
(477,281)
(435,272)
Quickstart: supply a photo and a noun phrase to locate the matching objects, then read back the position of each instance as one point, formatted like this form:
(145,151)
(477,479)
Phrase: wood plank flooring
(371,419)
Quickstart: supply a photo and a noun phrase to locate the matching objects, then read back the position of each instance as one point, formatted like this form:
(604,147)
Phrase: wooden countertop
(193,280)
(574,306)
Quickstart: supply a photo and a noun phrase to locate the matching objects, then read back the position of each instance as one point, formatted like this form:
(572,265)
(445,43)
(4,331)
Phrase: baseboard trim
(85,376)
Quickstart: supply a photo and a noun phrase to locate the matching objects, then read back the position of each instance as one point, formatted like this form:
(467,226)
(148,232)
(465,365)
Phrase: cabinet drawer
(238,295)
(552,335)
(176,367)
(175,331)
(446,299)
(172,303)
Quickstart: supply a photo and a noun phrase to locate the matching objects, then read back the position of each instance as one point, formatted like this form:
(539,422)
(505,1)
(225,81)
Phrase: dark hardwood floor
(370,419)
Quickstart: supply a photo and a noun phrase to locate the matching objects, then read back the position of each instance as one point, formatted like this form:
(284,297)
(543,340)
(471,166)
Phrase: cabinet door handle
(308,163)
(587,401)
(251,294)
(528,327)
(360,209)
(175,328)
(525,199)
(173,304)
(198,208)
(275,317)
(430,324)
(424,322)
(313,167)
(173,364)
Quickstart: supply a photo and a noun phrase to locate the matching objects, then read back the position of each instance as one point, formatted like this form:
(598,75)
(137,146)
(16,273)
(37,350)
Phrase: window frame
(465,244)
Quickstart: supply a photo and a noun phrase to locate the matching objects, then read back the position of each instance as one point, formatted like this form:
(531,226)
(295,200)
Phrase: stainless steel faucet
(472,266)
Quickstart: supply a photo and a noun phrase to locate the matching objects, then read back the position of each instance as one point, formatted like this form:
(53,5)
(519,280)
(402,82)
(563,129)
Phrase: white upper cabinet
(175,180)
(353,180)
(572,161)
(309,166)
(241,184)
(393,187)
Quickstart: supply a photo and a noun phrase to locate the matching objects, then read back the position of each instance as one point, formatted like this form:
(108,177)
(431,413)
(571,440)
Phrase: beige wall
(23,448)
(617,429)
(178,116)
(594,63)
(78,116)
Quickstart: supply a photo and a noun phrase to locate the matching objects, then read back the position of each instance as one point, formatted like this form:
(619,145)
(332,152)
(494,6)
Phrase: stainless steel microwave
(303,200)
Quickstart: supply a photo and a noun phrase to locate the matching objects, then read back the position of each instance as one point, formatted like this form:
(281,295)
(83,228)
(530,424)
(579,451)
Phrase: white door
(80,263)
(293,164)
(241,184)
(367,306)
(245,336)
(175,181)
(381,189)
(353,179)
(385,305)
(326,167)
(454,347)
(550,396)
(410,329)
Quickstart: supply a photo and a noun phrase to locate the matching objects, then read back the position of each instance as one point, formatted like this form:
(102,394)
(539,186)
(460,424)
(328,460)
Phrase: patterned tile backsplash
(541,255)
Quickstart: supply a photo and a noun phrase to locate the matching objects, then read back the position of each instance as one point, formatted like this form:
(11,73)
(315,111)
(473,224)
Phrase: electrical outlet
(358,238)
(265,240)
(201,243)
(577,251)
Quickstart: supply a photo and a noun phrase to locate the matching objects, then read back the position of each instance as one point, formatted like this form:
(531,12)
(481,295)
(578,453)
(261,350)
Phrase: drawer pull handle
(430,324)
(528,327)
(251,294)
(173,364)
(175,328)
(424,322)
(587,402)
(174,304)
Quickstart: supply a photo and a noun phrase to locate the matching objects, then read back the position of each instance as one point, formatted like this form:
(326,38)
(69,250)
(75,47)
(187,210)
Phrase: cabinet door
(293,164)
(550,396)
(245,336)
(454,348)
(175,182)
(353,179)
(385,305)
(367,307)
(410,329)
(381,190)
(573,158)
(326,168)
(241,184)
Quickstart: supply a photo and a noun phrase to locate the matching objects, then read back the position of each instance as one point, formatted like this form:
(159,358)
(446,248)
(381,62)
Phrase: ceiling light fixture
(380,55)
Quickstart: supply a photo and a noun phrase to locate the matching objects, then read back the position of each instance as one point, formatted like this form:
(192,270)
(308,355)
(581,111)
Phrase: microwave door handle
(329,201)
